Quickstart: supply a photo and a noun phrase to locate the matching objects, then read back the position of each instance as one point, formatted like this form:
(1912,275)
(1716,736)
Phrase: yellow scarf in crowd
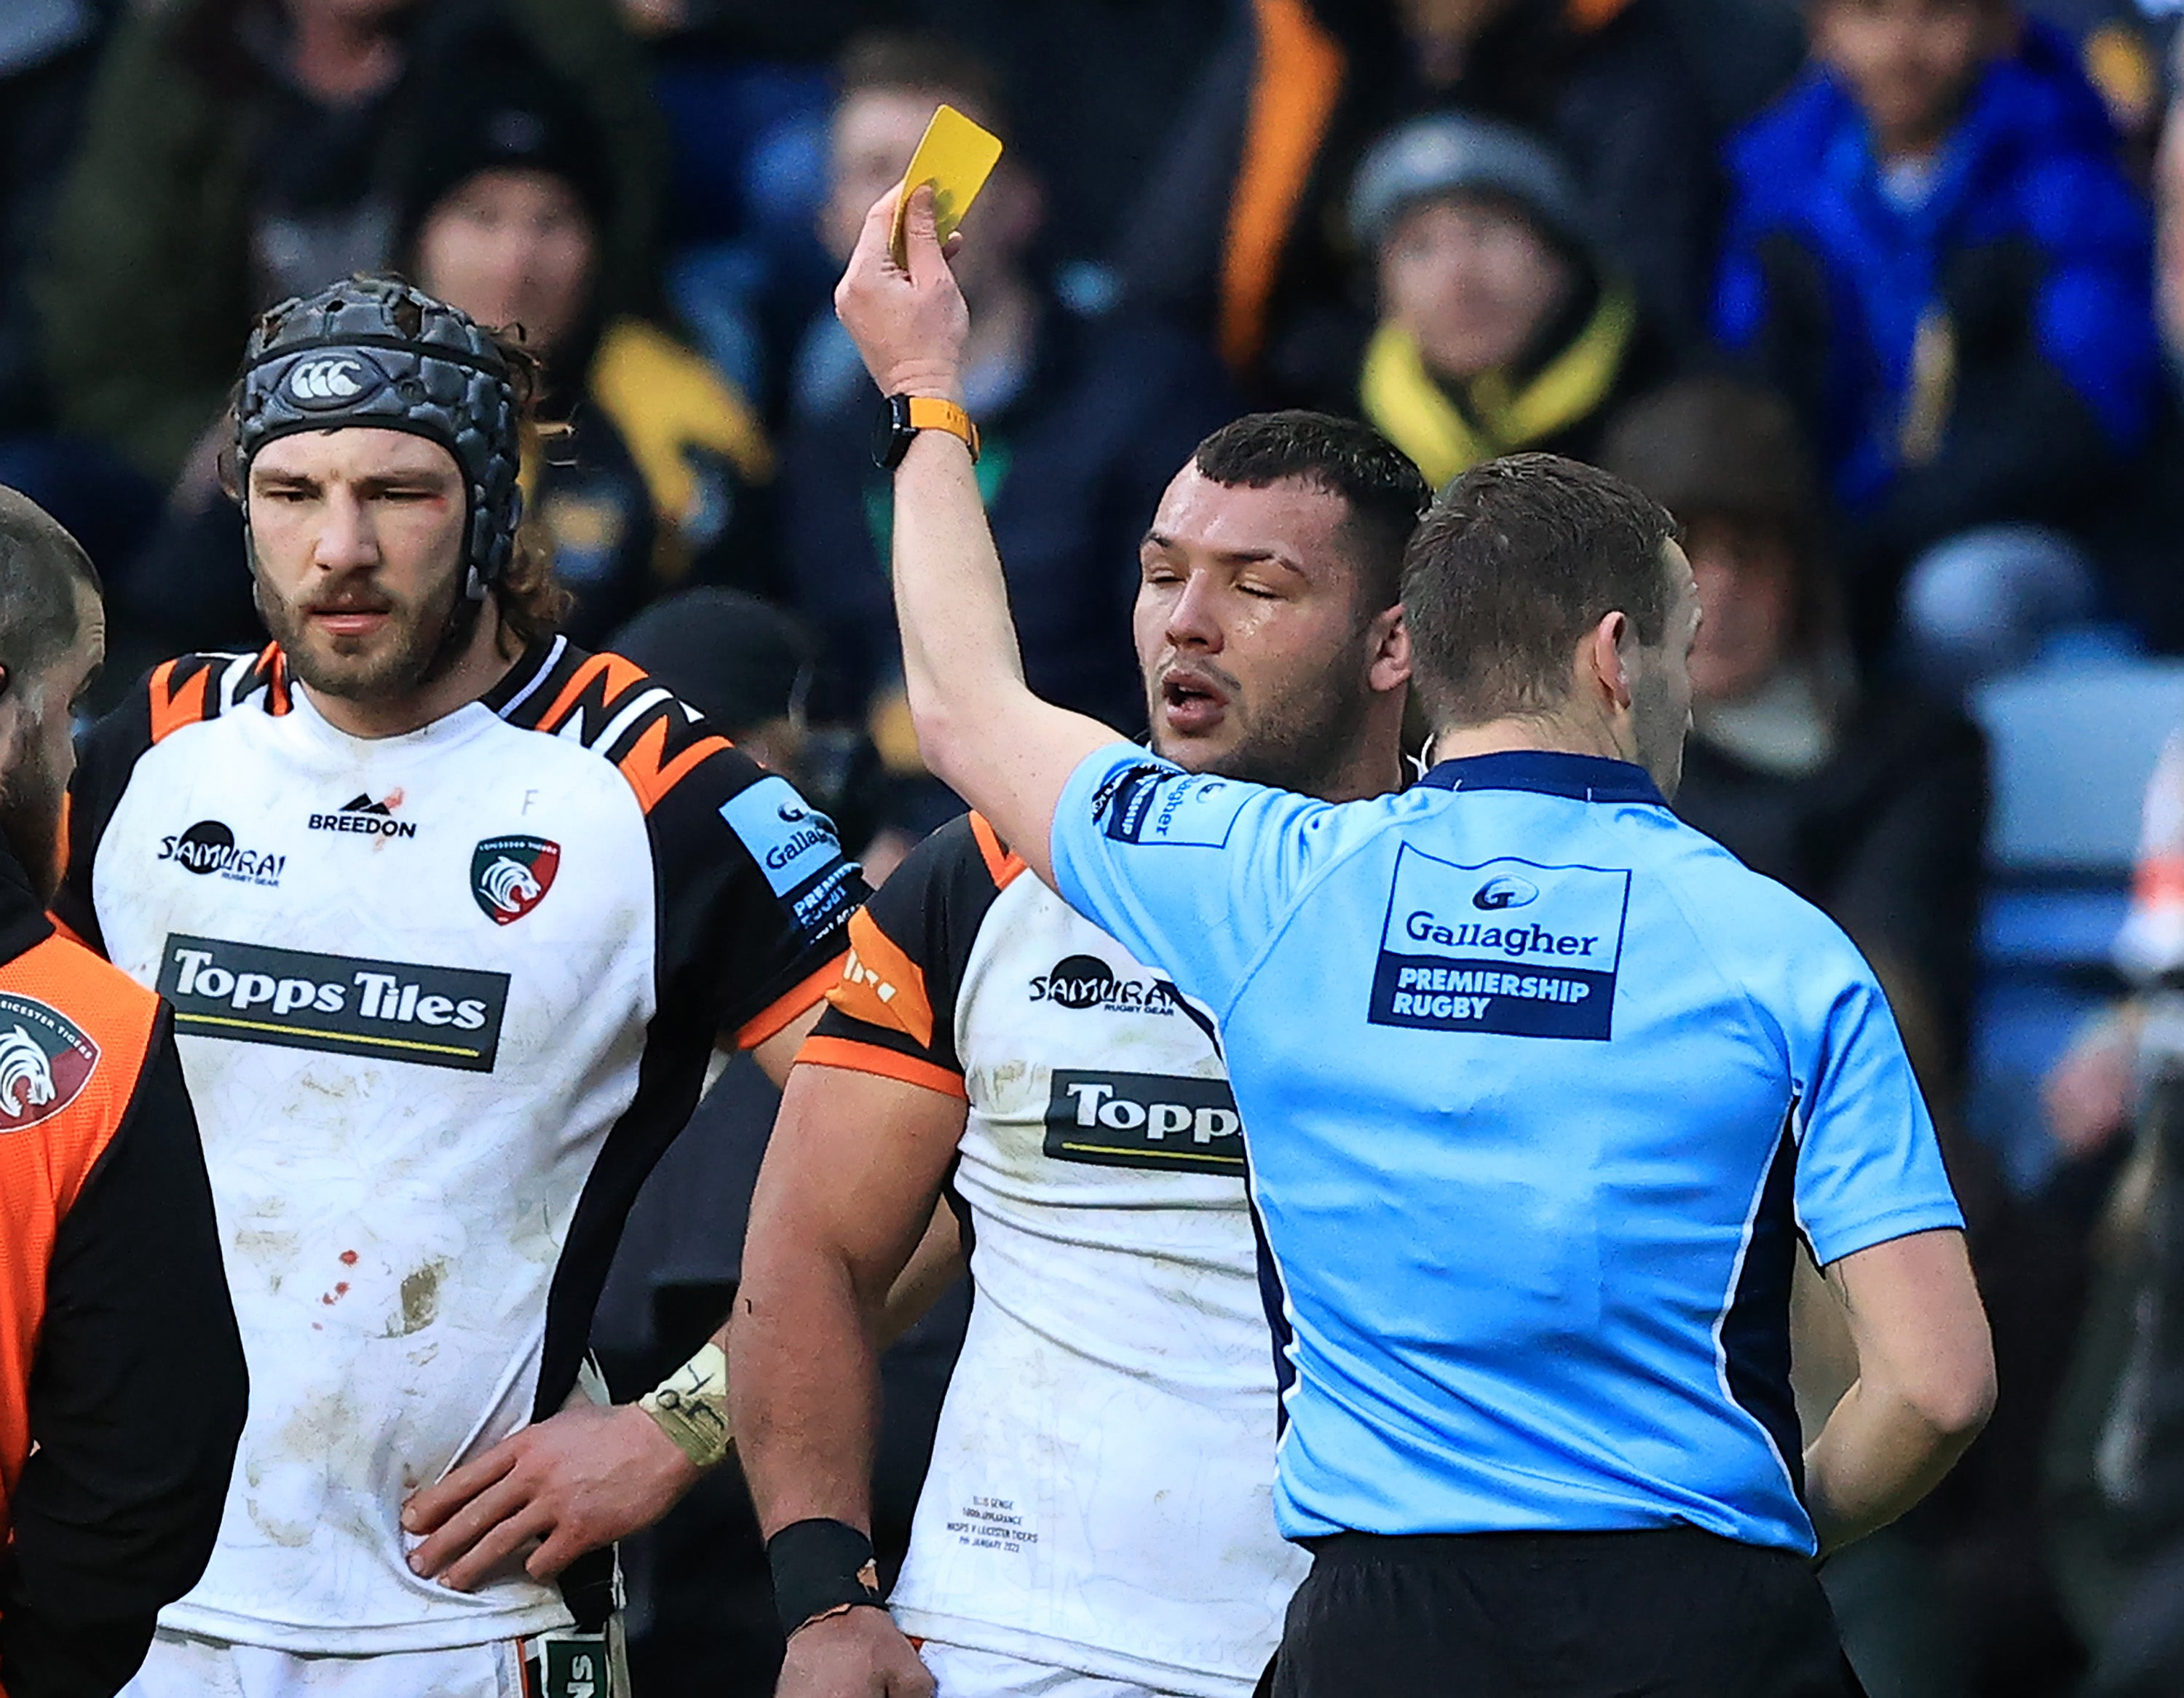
(1413,412)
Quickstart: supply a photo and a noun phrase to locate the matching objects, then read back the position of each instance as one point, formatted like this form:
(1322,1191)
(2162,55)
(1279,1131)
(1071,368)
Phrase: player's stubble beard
(1301,738)
(30,800)
(422,639)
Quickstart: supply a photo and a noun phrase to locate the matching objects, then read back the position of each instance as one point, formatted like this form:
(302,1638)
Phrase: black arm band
(820,1569)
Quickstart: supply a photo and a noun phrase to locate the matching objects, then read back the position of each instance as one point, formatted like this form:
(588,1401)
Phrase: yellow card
(956,156)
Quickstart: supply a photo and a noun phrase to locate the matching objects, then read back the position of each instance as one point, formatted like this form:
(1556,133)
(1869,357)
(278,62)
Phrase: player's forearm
(961,667)
(804,1379)
(1880,1453)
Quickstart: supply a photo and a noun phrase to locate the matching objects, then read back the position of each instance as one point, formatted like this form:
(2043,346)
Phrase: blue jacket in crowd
(2031,258)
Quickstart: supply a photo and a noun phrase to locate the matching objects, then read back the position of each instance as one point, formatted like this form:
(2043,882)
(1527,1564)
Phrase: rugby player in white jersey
(1098,1518)
(452,915)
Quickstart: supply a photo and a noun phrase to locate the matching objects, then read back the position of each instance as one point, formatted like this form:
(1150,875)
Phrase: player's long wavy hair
(533,602)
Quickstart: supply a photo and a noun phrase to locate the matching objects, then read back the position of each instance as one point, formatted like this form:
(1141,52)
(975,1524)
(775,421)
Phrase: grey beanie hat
(373,351)
(1450,154)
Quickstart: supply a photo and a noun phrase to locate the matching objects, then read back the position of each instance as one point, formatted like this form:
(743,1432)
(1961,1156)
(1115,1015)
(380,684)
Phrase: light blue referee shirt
(1540,1086)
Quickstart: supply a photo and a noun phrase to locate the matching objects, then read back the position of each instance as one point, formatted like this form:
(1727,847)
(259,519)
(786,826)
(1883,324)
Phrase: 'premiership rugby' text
(1546,969)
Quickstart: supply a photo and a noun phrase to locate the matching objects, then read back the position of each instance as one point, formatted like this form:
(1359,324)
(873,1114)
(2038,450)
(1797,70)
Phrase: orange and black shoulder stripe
(1002,862)
(615,708)
(188,690)
(194,688)
(893,1010)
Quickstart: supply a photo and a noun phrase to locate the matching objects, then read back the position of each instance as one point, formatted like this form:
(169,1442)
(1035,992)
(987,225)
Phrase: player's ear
(1388,646)
(1602,655)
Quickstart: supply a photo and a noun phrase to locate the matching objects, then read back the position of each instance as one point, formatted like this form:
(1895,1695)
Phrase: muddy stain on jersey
(421,1299)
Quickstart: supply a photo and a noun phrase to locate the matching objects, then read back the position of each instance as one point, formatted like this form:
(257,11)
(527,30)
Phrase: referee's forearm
(979,728)
(1877,1456)
(961,668)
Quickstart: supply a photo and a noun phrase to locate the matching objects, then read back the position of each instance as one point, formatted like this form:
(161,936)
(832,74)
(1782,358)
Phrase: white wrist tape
(691,1406)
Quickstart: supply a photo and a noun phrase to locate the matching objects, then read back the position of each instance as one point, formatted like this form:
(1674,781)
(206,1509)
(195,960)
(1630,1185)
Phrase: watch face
(891,431)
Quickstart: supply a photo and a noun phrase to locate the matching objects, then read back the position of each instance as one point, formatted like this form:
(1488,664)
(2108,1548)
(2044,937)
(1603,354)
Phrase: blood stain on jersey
(46,1059)
(510,875)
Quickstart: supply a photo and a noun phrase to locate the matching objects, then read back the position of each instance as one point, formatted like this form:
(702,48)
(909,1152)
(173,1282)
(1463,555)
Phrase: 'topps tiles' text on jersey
(442,999)
(1101,1493)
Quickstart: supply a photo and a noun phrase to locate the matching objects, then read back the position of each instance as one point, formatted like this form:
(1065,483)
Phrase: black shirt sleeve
(136,1397)
(893,1011)
(755,895)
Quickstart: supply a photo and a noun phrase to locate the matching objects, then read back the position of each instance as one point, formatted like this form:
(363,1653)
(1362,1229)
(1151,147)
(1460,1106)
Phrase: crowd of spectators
(1884,298)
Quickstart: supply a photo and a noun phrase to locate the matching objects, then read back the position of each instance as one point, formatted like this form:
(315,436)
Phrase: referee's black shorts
(1668,1613)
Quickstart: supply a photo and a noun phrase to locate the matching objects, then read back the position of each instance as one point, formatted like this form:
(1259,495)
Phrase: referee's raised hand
(908,324)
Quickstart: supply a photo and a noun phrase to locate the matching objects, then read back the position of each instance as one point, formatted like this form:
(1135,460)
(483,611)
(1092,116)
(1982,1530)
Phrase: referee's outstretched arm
(979,728)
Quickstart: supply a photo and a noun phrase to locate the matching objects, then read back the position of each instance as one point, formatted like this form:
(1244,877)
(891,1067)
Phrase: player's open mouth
(1191,703)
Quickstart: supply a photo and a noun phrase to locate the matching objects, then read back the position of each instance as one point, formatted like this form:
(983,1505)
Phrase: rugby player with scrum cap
(451,915)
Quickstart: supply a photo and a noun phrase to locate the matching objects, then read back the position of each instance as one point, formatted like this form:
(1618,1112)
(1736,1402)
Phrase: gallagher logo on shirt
(510,875)
(796,847)
(45,1062)
(1160,806)
(1505,946)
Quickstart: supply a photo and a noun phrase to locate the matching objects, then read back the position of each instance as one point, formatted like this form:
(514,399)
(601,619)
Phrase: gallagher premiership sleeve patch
(1504,946)
(797,849)
(1150,804)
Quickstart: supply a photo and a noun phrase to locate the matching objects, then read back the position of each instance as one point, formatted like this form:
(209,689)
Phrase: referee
(1544,1088)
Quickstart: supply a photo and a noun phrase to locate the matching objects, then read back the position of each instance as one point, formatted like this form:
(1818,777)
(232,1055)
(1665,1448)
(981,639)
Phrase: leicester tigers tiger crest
(46,1059)
(510,875)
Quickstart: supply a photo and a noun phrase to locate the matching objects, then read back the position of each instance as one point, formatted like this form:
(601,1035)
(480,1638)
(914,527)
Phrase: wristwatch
(902,416)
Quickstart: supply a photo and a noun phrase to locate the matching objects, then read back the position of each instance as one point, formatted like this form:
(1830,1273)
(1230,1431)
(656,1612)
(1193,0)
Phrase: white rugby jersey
(1101,1495)
(442,999)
